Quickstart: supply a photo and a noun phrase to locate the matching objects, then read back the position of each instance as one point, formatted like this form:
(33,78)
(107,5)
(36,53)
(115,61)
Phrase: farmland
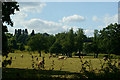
(61,67)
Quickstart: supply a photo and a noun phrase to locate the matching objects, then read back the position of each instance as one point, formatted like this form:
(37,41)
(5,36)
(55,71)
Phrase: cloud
(32,7)
(110,19)
(25,8)
(19,19)
(44,26)
(72,19)
(11,29)
(101,27)
(107,20)
(67,28)
(95,18)
(89,32)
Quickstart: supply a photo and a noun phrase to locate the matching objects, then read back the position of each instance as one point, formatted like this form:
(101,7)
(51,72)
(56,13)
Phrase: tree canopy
(109,39)
(8,8)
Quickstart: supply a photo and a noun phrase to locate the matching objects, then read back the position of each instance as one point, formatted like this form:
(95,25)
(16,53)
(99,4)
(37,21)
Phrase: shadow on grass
(19,74)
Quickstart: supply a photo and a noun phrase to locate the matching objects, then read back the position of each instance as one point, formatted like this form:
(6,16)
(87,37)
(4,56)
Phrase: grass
(28,73)
(70,65)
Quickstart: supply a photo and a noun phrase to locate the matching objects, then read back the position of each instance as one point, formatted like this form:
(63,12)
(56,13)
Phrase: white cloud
(89,32)
(25,8)
(110,19)
(107,20)
(95,18)
(19,19)
(67,28)
(101,27)
(44,26)
(11,29)
(32,7)
(73,19)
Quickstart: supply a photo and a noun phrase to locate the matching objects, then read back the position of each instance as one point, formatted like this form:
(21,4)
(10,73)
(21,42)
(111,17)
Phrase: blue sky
(55,17)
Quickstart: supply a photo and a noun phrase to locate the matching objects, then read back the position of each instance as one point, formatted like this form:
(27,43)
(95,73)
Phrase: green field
(70,65)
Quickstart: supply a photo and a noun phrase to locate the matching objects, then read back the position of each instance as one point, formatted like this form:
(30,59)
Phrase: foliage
(70,39)
(56,48)
(33,33)
(6,62)
(38,42)
(21,47)
(21,36)
(80,40)
(61,38)
(8,8)
(109,39)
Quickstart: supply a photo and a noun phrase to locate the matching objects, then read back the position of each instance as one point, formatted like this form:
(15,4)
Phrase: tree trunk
(43,62)
(50,53)
(40,53)
(96,55)
(79,54)
(57,54)
(33,52)
(62,54)
(70,54)
(66,54)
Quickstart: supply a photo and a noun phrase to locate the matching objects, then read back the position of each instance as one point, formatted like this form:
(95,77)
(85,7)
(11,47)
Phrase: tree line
(18,40)
(65,43)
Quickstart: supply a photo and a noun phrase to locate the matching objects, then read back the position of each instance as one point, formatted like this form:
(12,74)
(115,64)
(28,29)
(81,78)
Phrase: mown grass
(23,66)
(70,64)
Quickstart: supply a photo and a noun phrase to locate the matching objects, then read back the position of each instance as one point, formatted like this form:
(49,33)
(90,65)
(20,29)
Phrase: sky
(68,0)
(57,17)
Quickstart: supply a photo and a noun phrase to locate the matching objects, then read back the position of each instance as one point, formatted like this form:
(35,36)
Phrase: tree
(109,39)
(21,47)
(33,33)
(56,48)
(95,43)
(8,8)
(22,39)
(79,40)
(51,40)
(62,38)
(16,32)
(11,42)
(88,47)
(19,32)
(20,36)
(65,48)
(70,39)
(23,32)
(26,32)
(38,42)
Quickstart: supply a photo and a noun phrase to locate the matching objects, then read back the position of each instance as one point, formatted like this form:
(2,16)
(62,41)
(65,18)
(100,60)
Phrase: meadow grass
(70,65)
